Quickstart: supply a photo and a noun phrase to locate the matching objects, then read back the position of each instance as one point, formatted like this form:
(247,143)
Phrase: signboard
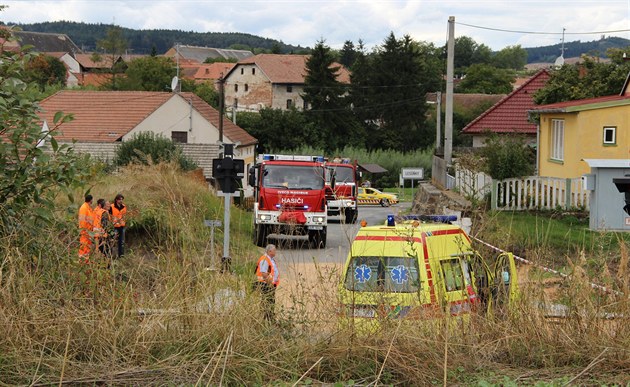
(212,223)
(413,173)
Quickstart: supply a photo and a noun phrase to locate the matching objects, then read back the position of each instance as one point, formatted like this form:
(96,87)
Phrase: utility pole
(450,61)
(234,106)
(221,106)
(177,88)
(438,134)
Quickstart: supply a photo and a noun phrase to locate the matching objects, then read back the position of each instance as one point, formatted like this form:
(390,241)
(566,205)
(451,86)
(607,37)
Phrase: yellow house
(569,132)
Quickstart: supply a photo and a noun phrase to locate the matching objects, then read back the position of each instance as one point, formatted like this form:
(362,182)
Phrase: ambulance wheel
(384,203)
(260,235)
(351,215)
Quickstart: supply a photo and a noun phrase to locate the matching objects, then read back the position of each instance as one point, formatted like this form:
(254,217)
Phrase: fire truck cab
(290,197)
(342,199)
(420,268)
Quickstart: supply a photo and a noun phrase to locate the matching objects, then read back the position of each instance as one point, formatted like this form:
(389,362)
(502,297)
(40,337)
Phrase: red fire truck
(290,197)
(342,199)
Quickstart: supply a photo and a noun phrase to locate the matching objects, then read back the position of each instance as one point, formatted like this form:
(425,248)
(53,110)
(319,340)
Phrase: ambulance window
(383,274)
(453,276)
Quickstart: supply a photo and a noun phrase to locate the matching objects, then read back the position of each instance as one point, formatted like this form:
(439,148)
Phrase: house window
(557,140)
(289,103)
(180,137)
(253,70)
(610,135)
(236,87)
(242,70)
(246,87)
(289,89)
(305,105)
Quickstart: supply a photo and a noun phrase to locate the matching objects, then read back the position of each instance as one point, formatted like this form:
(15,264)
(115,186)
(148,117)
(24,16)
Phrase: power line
(540,32)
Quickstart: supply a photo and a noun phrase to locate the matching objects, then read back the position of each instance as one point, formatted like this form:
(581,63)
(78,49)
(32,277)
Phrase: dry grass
(159,317)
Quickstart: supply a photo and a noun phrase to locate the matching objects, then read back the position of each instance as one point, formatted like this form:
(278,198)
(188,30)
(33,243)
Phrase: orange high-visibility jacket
(118,215)
(86,217)
(271,270)
(98,226)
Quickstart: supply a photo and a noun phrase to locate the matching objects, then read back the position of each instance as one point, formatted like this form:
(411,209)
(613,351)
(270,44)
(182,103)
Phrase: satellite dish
(559,61)
(174,83)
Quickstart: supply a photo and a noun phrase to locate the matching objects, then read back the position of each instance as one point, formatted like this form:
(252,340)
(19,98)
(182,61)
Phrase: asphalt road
(340,235)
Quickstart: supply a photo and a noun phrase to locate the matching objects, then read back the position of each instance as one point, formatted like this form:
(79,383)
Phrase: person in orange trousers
(118,212)
(86,225)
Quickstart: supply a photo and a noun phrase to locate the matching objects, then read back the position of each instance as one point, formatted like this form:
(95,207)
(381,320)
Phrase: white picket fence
(536,192)
(472,184)
(533,192)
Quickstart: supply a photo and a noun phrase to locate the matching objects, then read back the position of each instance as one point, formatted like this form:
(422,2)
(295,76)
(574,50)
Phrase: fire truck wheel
(384,203)
(351,216)
(317,239)
(260,235)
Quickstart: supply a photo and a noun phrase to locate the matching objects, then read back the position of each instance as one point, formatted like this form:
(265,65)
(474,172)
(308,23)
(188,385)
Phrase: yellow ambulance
(420,267)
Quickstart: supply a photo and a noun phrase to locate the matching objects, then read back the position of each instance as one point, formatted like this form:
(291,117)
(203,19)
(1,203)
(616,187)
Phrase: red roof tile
(106,116)
(86,61)
(510,115)
(581,102)
(213,70)
(288,68)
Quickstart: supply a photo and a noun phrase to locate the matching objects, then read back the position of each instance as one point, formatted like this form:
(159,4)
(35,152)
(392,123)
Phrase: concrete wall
(281,95)
(175,115)
(583,139)
(259,89)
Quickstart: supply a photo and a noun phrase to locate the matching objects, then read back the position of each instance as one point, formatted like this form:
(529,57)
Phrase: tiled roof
(47,42)
(106,116)
(94,79)
(510,115)
(230,130)
(213,70)
(100,116)
(609,100)
(86,61)
(288,68)
(200,54)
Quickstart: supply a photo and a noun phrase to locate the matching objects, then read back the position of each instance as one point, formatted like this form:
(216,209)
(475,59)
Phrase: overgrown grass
(159,317)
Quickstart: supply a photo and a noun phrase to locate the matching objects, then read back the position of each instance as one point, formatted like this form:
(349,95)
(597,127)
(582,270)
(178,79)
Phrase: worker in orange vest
(267,280)
(86,225)
(118,212)
(102,226)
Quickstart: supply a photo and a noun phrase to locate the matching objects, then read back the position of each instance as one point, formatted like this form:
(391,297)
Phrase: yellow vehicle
(373,196)
(420,268)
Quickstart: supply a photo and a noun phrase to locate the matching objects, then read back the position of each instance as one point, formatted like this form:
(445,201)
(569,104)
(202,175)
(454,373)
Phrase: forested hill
(575,49)
(86,35)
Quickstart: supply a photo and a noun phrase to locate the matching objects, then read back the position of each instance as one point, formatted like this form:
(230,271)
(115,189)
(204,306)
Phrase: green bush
(507,157)
(147,147)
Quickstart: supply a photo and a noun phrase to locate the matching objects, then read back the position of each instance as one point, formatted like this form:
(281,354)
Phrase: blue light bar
(319,159)
(267,157)
(391,222)
(431,218)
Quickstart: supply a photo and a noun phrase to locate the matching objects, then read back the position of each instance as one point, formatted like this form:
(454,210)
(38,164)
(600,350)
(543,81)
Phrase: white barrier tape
(549,270)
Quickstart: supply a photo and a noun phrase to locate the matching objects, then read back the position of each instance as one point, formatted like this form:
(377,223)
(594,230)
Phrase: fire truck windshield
(293,177)
(343,175)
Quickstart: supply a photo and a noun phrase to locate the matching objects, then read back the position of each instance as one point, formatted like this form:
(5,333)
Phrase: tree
(589,79)
(403,72)
(30,178)
(486,79)
(45,70)
(469,52)
(114,45)
(328,109)
(151,73)
(348,54)
(278,129)
(511,57)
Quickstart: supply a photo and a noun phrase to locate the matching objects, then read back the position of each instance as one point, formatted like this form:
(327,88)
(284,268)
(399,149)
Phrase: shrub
(147,147)
(507,157)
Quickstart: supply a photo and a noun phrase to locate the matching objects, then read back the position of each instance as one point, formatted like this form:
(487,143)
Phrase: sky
(495,23)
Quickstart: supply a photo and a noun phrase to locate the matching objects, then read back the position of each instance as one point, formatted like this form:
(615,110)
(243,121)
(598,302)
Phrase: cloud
(304,22)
